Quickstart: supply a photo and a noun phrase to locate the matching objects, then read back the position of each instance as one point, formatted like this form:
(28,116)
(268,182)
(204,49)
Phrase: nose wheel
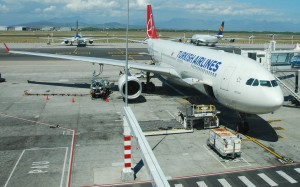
(242,125)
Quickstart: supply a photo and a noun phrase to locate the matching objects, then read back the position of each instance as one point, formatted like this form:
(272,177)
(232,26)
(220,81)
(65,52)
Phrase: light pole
(126,65)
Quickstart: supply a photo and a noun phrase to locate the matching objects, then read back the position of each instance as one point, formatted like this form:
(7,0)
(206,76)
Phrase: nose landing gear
(242,125)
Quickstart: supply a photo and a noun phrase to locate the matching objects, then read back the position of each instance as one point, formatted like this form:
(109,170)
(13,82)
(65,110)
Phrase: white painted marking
(178,185)
(214,157)
(171,114)
(224,182)
(267,179)
(38,148)
(248,164)
(246,181)
(117,120)
(63,80)
(117,164)
(297,169)
(14,168)
(201,184)
(64,167)
(287,177)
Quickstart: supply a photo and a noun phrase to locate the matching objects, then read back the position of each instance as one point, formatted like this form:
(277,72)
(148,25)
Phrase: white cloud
(3,8)
(81,5)
(227,8)
(50,9)
(37,10)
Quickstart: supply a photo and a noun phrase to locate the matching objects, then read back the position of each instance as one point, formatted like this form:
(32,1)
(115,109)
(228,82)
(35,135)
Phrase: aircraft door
(226,78)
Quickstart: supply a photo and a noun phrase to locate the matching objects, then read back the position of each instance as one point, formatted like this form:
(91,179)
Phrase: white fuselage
(223,73)
(204,39)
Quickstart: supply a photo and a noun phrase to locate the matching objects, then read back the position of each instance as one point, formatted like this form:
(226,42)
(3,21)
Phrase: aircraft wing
(167,71)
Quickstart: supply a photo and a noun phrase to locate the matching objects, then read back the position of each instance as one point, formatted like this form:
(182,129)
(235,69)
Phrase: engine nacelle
(91,41)
(66,41)
(232,40)
(134,86)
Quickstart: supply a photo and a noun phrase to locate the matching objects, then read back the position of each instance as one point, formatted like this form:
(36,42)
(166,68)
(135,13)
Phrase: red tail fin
(151,30)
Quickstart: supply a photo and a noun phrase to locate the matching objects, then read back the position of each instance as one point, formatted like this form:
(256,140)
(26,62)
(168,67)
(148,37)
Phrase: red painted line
(127,138)
(127,147)
(45,124)
(127,165)
(127,156)
(72,159)
(234,171)
(119,184)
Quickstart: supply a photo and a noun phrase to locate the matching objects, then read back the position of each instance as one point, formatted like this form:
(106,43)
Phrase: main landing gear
(242,125)
(148,86)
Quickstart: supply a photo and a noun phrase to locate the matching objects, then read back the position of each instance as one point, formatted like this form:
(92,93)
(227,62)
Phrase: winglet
(7,49)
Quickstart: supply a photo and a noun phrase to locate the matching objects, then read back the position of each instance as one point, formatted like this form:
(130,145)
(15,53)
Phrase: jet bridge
(288,85)
(156,174)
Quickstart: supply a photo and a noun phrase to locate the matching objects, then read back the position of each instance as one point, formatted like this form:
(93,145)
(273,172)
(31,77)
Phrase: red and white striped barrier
(127,152)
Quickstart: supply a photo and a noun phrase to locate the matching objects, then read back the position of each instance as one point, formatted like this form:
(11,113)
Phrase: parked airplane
(235,81)
(204,39)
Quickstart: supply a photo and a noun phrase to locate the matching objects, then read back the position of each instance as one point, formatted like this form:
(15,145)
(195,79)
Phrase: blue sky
(101,11)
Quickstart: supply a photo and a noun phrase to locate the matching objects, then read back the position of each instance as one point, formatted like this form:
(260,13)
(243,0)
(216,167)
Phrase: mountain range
(176,24)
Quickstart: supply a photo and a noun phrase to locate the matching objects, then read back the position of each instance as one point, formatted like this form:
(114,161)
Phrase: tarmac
(52,139)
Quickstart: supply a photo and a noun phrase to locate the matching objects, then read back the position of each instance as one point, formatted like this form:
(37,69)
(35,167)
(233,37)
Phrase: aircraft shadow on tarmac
(259,128)
(71,85)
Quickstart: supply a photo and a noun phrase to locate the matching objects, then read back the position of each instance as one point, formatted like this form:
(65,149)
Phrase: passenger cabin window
(265,83)
(256,83)
(249,82)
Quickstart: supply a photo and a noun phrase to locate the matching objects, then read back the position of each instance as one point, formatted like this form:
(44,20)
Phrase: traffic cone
(107,100)
(47,98)
(73,100)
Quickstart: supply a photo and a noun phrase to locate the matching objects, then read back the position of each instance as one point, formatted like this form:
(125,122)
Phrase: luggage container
(224,142)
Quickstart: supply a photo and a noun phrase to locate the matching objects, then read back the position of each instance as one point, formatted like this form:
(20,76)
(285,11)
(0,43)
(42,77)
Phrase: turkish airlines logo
(150,26)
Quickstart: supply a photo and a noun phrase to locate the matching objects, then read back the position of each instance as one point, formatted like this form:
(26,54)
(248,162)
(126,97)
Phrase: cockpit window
(265,83)
(274,83)
(250,81)
(256,83)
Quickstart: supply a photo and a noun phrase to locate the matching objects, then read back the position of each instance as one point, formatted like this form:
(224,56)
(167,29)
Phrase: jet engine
(134,86)
(66,41)
(232,40)
(91,41)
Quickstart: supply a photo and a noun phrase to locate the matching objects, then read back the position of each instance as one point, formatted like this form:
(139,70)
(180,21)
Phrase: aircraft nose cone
(275,100)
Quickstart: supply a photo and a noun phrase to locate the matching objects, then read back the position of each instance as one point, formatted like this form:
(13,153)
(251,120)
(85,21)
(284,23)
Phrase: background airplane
(77,39)
(235,81)
(204,39)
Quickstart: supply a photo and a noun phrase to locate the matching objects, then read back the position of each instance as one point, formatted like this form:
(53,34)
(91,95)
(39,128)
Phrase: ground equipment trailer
(189,113)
